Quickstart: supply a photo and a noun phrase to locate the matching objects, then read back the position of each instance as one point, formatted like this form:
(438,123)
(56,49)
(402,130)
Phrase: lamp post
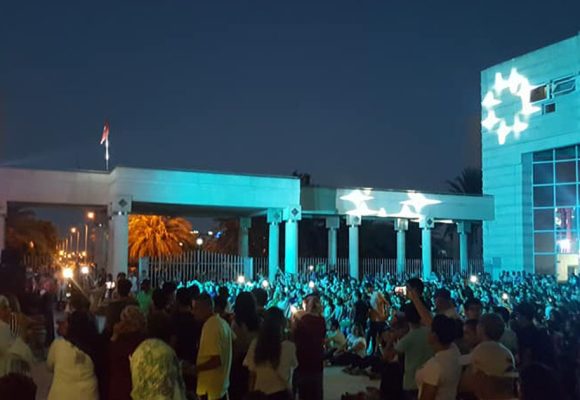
(91,217)
(74,230)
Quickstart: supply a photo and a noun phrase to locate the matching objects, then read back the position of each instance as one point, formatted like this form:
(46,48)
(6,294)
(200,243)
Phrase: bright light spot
(311,267)
(265,284)
(241,279)
(293,309)
(210,233)
(311,285)
(195,232)
(73,230)
(67,273)
(91,215)
(61,252)
(505,296)
(519,86)
(564,245)
(199,241)
(382,213)
(180,244)
(84,270)
(473,279)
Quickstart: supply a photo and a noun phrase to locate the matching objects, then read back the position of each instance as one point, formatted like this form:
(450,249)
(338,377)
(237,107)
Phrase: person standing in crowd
(378,318)
(155,371)
(186,328)
(472,309)
(540,382)
(214,359)
(261,297)
(360,309)
(439,377)
(469,339)
(414,346)
(144,297)
(309,335)
(534,343)
(74,360)
(444,304)
(128,334)
(509,338)
(158,320)
(271,358)
(245,328)
(491,370)
(115,307)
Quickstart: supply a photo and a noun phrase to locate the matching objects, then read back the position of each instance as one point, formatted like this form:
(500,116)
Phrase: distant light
(293,309)
(31,244)
(84,253)
(199,241)
(195,232)
(505,296)
(311,285)
(91,215)
(73,230)
(67,273)
(265,284)
(241,279)
(84,270)
(181,244)
(311,267)
(61,252)
(473,279)
(210,233)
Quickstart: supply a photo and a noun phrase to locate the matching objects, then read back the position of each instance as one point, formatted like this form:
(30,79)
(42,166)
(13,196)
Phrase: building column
(274,218)
(426,224)
(332,224)
(244,246)
(3,213)
(401,226)
(291,216)
(118,260)
(463,229)
(353,222)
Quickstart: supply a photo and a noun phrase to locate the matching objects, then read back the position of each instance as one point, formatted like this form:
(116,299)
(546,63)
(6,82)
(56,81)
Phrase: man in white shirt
(439,377)
(214,359)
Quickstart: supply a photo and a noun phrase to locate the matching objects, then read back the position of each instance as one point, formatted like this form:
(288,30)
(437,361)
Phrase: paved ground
(336,383)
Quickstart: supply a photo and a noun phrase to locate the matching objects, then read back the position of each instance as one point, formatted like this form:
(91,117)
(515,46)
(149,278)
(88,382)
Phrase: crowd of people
(446,338)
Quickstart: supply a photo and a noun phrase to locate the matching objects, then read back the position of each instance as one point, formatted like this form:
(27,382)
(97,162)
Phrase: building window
(563,86)
(556,203)
(538,94)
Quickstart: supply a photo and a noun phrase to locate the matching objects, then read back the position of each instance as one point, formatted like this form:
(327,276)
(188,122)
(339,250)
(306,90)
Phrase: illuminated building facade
(531,160)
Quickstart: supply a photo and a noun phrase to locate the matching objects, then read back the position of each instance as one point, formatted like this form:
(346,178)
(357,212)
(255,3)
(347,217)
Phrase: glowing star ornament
(418,201)
(518,86)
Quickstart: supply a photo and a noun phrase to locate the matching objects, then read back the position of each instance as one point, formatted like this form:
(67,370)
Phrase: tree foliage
(27,234)
(155,235)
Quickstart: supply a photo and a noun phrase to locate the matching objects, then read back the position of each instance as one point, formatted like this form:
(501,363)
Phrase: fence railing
(37,262)
(213,266)
(198,265)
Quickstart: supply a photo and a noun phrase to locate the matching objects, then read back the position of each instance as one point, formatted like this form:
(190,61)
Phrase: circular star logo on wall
(518,86)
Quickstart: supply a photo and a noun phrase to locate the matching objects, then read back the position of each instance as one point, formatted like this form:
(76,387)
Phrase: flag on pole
(105,137)
(105,140)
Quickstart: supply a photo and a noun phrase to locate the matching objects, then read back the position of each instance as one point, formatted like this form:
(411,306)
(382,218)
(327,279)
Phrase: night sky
(357,93)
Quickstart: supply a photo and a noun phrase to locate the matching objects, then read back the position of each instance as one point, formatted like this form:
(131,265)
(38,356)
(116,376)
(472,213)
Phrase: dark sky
(370,93)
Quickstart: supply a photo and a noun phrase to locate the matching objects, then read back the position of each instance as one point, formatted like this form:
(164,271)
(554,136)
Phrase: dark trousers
(375,330)
(309,385)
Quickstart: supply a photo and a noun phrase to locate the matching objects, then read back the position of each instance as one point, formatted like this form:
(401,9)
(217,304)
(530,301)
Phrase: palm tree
(28,234)
(155,235)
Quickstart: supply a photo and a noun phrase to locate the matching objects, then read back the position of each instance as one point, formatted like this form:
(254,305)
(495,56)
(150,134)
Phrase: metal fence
(198,265)
(38,262)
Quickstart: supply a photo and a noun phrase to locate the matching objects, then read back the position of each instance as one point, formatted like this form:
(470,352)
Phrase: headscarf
(133,319)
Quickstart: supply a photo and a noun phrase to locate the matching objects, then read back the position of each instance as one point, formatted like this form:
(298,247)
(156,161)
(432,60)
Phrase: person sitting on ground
(335,339)
(439,377)
(355,350)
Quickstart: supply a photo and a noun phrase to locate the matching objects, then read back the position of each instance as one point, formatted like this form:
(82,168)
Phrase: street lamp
(74,230)
(199,241)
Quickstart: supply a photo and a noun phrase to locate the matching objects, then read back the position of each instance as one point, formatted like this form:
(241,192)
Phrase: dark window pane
(544,219)
(564,218)
(545,264)
(543,196)
(566,153)
(539,93)
(543,155)
(544,242)
(565,172)
(543,173)
(566,195)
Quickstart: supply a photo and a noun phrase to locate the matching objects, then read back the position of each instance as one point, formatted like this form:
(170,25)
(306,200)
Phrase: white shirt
(74,374)
(216,340)
(268,379)
(442,370)
(353,341)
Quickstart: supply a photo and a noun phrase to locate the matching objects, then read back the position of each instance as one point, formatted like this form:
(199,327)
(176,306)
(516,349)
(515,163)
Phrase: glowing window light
(519,86)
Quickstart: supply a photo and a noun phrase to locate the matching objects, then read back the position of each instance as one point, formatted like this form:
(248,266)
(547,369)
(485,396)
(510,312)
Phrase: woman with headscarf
(128,333)
(155,370)
(15,355)
(73,359)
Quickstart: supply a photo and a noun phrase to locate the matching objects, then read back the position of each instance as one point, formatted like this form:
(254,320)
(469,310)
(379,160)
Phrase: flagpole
(107,154)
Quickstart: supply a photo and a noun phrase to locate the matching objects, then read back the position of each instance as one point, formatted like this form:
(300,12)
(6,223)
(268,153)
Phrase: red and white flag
(105,137)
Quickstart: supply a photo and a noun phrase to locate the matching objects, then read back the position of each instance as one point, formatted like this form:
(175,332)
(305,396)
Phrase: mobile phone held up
(401,290)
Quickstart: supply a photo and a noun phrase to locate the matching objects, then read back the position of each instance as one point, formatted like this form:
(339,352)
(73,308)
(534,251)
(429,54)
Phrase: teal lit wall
(507,153)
